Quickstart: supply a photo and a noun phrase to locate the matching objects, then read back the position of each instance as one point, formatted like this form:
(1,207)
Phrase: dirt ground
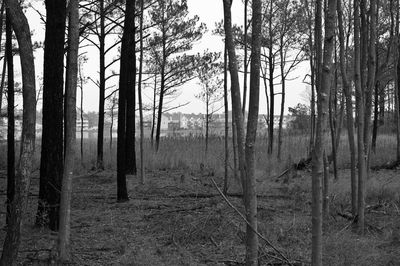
(179,218)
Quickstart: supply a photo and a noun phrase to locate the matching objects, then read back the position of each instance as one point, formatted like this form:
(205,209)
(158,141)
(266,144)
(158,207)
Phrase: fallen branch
(248,224)
(386,166)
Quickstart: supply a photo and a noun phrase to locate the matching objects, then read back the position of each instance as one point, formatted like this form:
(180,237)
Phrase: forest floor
(179,218)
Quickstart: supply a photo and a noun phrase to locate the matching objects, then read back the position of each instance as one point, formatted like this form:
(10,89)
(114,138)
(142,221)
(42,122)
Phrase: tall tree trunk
(323,88)
(81,104)
(371,81)
(207,121)
(4,65)
(162,85)
(271,84)
(125,83)
(308,14)
(11,119)
(283,87)
(226,110)
(237,114)
(317,149)
(396,78)
(24,169)
(246,154)
(246,3)
(349,111)
(70,129)
(251,192)
(112,122)
(102,87)
(159,115)
(142,172)
(3,78)
(131,95)
(376,117)
(52,160)
(362,171)
(235,150)
(396,98)
(153,123)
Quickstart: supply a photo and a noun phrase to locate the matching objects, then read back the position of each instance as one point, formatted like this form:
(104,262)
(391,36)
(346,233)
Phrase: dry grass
(160,227)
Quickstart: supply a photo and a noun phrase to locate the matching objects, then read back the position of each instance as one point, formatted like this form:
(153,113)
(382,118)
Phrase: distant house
(165,119)
(82,124)
(184,122)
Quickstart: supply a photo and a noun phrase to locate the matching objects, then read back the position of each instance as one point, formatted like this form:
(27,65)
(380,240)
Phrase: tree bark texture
(129,27)
(362,170)
(347,90)
(323,89)
(70,129)
(51,162)
(142,170)
(251,192)
(102,87)
(24,169)
(10,120)
(125,83)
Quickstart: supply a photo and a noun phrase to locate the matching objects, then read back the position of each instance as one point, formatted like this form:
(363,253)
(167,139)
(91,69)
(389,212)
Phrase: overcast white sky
(210,12)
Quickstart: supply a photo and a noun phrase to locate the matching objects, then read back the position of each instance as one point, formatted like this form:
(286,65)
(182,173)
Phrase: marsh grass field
(179,218)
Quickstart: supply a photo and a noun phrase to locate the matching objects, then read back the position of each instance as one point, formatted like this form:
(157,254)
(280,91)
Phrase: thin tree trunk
(154,111)
(246,3)
(24,168)
(376,117)
(3,78)
(11,119)
(70,129)
(396,80)
(317,150)
(131,95)
(4,66)
(362,171)
(237,114)
(112,122)
(283,87)
(159,116)
(142,172)
(235,151)
(207,122)
(251,192)
(52,160)
(162,85)
(102,87)
(323,88)
(226,110)
(81,87)
(271,87)
(349,112)
(371,78)
(325,197)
